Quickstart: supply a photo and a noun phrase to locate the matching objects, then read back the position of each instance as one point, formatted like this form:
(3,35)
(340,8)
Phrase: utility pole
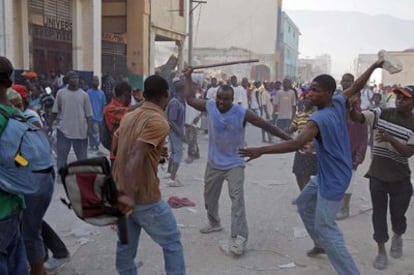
(190,28)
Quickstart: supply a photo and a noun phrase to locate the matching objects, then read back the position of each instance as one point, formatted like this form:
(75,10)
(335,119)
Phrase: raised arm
(267,126)
(362,80)
(198,104)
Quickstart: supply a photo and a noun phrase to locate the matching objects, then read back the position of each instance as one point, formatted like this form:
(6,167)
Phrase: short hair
(155,86)
(326,81)
(6,71)
(122,88)
(349,75)
(226,88)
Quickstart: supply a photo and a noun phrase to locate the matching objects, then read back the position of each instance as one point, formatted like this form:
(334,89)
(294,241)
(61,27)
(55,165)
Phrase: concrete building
(309,68)
(405,77)
(131,29)
(254,71)
(52,35)
(92,37)
(289,51)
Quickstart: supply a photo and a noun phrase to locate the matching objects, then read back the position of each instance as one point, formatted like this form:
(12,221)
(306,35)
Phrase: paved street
(277,240)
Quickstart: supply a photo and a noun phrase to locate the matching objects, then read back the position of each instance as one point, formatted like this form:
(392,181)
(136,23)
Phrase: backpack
(24,150)
(106,138)
(92,193)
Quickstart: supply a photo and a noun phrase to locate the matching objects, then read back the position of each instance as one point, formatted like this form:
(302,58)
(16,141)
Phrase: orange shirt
(146,124)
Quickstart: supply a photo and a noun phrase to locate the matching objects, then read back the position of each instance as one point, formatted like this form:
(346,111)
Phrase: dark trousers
(399,195)
(53,242)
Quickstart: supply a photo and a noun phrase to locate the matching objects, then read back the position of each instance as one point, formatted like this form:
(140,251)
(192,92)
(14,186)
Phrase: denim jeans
(159,222)
(318,215)
(12,251)
(95,140)
(80,146)
(36,206)
(176,147)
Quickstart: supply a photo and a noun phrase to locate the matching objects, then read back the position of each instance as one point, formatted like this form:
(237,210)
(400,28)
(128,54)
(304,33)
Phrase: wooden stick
(225,64)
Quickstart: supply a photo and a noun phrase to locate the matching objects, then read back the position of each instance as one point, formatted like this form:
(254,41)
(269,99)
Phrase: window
(289,30)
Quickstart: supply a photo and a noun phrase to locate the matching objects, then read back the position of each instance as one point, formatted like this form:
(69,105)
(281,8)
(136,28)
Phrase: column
(138,44)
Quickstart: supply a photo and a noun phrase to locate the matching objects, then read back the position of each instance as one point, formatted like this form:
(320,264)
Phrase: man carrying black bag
(140,141)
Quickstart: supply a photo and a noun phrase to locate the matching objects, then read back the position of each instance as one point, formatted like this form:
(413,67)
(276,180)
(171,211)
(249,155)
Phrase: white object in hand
(391,64)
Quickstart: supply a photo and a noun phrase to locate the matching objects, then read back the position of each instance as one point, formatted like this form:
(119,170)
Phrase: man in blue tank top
(226,131)
(321,198)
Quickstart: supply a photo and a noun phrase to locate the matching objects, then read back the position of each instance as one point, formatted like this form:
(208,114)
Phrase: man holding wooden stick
(227,123)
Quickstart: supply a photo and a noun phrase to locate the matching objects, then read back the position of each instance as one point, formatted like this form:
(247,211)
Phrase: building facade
(50,36)
(289,52)
(309,68)
(405,77)
(93,37)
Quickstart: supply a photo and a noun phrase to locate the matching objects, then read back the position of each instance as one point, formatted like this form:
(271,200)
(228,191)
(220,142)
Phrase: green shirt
(8,202)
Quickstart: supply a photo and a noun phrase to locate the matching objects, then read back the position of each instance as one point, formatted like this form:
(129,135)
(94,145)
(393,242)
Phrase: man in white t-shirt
(212,91)
(73,112)
(240,94)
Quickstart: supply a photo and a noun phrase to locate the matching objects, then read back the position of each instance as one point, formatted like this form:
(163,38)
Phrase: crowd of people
(328,128)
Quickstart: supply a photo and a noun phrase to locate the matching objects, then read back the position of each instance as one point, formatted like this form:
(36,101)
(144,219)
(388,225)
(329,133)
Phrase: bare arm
(362,80)
(307,135)
(198,104)
(263,124)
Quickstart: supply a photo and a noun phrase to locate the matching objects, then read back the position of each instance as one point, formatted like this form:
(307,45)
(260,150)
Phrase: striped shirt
(387,164)
(299,123)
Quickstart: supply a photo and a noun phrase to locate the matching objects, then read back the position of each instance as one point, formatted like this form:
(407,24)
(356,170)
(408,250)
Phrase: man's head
(224,98)
(405,99)
(95,82)
(73,80)
(6,70)
(278,85)
(287,84)
(347,81)
(257,84)
(123,93)
(214,82)
(322,90)
(179,88)
(156,90)
(233,80)
(376,98)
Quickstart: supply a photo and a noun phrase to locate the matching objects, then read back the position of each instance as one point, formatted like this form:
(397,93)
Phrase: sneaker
(53,263)
(396,247)
(238,245)
(342,214)
(210,229)
(315,251)
(381,262)
(174,183)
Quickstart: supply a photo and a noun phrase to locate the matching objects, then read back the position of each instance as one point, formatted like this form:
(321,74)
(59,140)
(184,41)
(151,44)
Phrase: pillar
(86,37)
(138,39)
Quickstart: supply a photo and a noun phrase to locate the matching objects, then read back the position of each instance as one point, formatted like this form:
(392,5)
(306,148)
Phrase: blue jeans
(159,222)
(176,147)
(318,215)
(80,146)
(12,252)
(36,206)
(95,140)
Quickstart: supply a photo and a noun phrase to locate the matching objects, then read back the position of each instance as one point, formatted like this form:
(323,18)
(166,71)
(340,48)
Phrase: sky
(400,8)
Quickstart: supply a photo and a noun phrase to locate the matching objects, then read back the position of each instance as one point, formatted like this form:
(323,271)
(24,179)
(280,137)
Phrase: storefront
(114,54)
(50,29)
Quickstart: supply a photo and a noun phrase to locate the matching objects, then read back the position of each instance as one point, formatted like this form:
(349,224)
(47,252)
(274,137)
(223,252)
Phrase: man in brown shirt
(141,137)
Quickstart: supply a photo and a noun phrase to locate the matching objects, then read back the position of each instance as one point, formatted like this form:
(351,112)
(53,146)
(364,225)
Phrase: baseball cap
(21,90)
(407,91)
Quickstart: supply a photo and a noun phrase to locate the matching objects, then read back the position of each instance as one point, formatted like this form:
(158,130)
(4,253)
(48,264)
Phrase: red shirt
(113,113)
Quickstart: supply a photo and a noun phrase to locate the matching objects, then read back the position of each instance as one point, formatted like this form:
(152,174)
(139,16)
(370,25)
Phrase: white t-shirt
(240,96)
(212,92)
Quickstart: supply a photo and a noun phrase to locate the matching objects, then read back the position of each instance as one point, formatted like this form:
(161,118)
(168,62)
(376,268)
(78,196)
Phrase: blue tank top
(226,135)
